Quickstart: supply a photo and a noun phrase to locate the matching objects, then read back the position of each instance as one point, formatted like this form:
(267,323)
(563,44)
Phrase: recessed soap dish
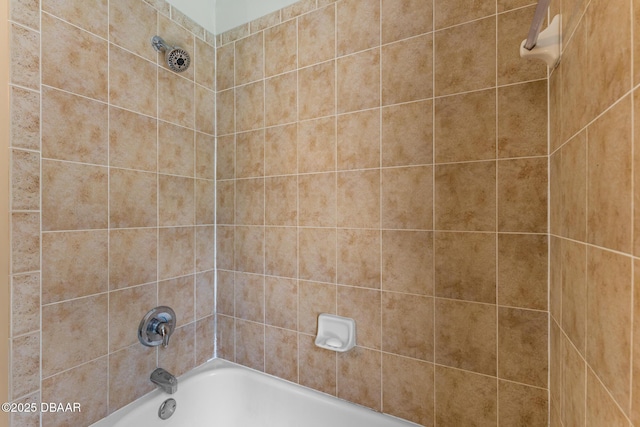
(336,333)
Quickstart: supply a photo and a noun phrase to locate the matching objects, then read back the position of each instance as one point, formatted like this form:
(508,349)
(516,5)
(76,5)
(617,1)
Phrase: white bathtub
(223,394)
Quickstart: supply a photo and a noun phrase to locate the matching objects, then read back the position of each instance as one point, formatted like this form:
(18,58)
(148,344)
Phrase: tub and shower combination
(224,394)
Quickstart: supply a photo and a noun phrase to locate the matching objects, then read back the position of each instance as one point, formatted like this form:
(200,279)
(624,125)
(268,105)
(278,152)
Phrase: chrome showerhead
(177,59)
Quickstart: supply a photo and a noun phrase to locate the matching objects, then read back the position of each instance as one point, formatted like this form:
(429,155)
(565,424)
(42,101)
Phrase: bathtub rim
(216,364)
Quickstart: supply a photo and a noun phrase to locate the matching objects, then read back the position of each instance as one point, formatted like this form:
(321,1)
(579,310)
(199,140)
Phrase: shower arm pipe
(536,25)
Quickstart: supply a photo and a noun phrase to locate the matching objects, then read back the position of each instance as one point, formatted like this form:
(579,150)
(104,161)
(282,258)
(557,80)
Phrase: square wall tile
(316,37)
(465,196)
(358,25)
(462,66)
(407,261)
(465,336)
(465,266)
(465,398)
(405,18)
(407,70)
(132,257)
(465,127)
(74,196)
(407,134)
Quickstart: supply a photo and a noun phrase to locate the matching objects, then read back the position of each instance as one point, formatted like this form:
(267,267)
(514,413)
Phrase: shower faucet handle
(157,326)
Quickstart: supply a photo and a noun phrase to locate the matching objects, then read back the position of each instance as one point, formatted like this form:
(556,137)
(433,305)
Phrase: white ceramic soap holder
(336,333)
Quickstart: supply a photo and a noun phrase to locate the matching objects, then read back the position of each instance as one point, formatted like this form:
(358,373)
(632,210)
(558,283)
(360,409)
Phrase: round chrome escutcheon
(167,408)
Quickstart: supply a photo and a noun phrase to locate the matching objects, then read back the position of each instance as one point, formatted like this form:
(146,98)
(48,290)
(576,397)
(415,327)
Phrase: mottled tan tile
(407,134)
(317,145)
(523,346)
(574,292)
(522,270)
(281,303)
(179,294)
(88,143)
(25,118)
(360,377)
(281,95)
(520,405)
(280,150)
(86,385)
(609,179)
(522,195)
(176,105)
(609,295)
(358,140)
(281,251)
(405,18)
(250,154)
(129,84)
(74,264)
(129,371)
(314,299)
(465,266)
(316,91)
(126,308)
(249,59)
(407,198)
(25,180)
(280,49)
(462,66)
(407,325)
(358,199)
(408,389)
(62,348)
(465,196)
(25,358)
(358,25)
(465,336)
(25,242)
(317,200)
(511,67)
(281,353)
(601,409)
(317,367)
(465,399)
(74,196)
(176,251)
(407,70)
(465,127)
(363,306)
(25,67)
(205,203)
(250,344)
(176,200)
(522,120)
(249,249)
(92,18)
(448,13)
(358,81)
(317,254)
(250,208)
(359,258)
(132,140)
(133,199)
(316,36)
(176,149)
(407,261)
(281,200)
(179,357)
(249,106)
(132,25)
(25,303)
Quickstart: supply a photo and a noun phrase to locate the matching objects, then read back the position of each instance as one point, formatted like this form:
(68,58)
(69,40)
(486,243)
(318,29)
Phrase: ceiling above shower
(219,16)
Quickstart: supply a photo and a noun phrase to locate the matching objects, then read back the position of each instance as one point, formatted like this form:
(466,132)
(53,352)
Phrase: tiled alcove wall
(594,212)
(112,205)
(386,160)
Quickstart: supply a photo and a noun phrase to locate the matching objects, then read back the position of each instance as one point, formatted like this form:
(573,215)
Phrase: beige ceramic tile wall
(112,200)
(386,160)
(594,233)
(5,136)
